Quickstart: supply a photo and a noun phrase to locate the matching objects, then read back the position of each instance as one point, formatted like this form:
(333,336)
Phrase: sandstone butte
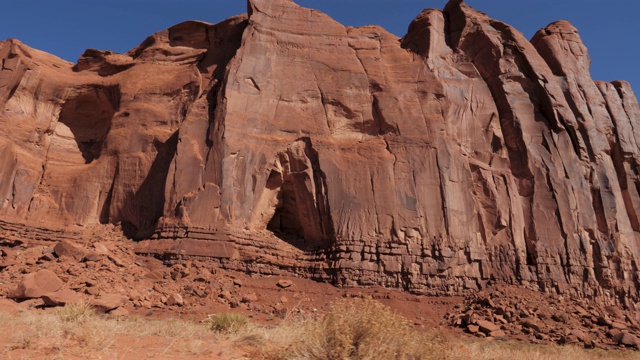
(283,142)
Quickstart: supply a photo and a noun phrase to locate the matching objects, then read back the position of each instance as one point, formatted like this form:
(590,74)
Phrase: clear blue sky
(609,28)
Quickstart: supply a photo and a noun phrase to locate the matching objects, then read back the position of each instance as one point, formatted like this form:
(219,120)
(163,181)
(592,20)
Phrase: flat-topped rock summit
(284,142)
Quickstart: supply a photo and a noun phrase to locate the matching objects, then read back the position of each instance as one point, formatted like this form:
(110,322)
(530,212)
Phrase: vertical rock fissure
(519,262)
(105,212)
(216,95)
(443,196)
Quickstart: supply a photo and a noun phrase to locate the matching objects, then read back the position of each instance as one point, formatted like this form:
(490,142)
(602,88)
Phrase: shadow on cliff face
(148,202)
(141,211)
(88,115)
(295,203)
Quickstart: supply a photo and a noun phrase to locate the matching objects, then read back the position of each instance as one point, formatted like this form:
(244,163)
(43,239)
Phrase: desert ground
(113,304)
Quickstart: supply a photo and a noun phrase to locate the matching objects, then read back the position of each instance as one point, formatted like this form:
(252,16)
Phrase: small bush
(75,312)
(227,322)
(362,329)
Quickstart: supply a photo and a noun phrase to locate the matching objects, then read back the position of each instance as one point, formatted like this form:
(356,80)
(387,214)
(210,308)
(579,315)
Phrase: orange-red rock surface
(283,141)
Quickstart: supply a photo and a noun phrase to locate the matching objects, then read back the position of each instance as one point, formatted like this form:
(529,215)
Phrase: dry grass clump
(356,329)
(511,350)
(353,329)
(273,342)
(362,329)
(227,322)
(75,312)
(76,330)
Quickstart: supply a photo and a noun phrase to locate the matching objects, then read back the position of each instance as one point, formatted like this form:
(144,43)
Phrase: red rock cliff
(459,154)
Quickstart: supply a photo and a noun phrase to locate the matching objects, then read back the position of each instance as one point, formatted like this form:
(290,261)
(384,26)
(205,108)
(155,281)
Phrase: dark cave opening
(285,220)
(294,205)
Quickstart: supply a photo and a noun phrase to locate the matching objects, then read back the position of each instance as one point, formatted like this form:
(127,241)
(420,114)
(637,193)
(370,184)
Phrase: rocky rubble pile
(104,271)
(504,311)
(110,277)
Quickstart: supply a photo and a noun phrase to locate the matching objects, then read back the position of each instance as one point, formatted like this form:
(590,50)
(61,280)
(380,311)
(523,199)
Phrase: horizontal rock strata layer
(280,140)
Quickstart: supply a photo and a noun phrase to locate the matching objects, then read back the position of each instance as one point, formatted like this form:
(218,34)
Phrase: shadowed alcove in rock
(88,116)
(294,204)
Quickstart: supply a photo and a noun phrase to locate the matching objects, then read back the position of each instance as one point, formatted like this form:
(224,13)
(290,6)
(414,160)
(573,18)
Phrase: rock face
(459,154)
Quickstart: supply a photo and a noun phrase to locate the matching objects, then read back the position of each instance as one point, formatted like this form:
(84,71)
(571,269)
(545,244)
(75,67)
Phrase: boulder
(579,334)
(626,339)
(61,298)
(487,326)
(470,319)
(226,295)
(614,333)
(135,295)
(119,312)
(175,300)
(107,302)
(249,298)
(284,283)
(116,260)
(618,325)
(69,249)
(93,256)
(101,248)
(47,257)
(604,321)
(35,285)
(92,290)
(7,252)
(9,306)
(7,263)
(533,325)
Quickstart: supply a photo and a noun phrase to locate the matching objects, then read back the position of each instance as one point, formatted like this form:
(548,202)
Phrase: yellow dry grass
(227,322)
(76,332)
(353,329)
(366,330)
